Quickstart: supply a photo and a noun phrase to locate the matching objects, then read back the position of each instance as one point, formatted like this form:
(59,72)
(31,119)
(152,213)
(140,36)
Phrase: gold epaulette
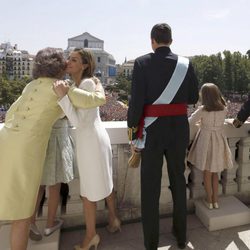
(132,133)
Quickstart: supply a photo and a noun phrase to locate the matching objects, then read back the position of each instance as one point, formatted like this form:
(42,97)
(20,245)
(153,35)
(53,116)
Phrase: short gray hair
(49,62)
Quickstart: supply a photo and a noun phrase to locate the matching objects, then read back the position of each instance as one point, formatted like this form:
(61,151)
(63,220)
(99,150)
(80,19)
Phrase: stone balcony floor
(199,238)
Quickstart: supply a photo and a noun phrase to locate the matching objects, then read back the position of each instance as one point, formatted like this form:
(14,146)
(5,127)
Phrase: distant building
(126,68)
(14,63)
(105,62)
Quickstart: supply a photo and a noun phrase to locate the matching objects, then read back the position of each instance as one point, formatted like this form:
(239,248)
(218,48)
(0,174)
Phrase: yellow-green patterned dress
(23,143)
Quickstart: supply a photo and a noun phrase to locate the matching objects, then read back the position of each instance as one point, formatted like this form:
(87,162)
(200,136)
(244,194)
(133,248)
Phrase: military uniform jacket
(244,112)
(151,74)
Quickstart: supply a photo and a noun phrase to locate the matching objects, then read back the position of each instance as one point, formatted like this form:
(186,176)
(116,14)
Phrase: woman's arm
(69,110)
(65,102)
(81,98)
(195,116)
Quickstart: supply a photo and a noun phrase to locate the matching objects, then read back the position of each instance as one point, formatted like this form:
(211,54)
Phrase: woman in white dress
(93,149)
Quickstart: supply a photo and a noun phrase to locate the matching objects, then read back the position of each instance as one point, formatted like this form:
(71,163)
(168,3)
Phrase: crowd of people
(115,110)
(232,107)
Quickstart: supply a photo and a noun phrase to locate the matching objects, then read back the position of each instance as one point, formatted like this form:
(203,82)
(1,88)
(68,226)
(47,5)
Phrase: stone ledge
(49,243)
(232,212)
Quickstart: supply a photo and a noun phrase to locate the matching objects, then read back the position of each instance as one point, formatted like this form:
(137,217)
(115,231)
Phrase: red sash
(157,110)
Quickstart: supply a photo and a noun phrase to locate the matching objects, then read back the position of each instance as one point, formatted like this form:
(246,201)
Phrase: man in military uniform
(162,86)
(243,114)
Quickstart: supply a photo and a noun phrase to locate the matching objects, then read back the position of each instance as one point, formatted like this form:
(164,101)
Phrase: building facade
(126,68)
(105,62)
(14,63)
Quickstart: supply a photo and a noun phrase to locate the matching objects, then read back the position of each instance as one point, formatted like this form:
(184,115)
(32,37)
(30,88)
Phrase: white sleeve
(88,85)
(196,116)
(69,110)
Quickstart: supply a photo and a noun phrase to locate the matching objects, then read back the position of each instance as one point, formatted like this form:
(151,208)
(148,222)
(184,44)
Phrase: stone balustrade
(235,181)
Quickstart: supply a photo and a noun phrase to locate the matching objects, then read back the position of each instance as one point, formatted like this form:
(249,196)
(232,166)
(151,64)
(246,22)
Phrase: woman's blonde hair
(211,97)
(87,58)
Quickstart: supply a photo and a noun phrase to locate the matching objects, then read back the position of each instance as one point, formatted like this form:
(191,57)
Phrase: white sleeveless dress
(93,148)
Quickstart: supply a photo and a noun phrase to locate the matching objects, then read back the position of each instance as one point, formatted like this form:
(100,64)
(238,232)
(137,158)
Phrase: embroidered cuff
(237,123)
(132,133)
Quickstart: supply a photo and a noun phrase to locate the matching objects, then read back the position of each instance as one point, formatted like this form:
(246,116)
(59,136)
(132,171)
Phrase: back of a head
(212,98)
(49,62)
(161,33)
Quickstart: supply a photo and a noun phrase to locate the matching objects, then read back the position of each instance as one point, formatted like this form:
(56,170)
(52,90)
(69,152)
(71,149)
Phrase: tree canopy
(230,71)
(10,90)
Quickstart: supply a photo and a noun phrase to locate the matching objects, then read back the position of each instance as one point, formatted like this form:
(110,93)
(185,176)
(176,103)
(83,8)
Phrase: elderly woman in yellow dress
(24,138)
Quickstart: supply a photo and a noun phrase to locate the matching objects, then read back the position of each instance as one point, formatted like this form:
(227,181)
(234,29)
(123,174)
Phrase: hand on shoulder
(99,87)
(92,85)
(61,88)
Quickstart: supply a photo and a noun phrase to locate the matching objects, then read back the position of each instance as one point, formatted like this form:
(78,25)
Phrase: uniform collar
(163,50)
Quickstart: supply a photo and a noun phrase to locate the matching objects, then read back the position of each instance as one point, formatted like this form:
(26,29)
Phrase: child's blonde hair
(211,97)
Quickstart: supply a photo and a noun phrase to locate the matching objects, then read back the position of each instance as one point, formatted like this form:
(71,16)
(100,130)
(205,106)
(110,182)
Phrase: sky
(198,26)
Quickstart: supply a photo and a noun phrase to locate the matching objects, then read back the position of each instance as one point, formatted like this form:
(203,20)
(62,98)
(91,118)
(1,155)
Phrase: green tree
(239,72)
(208,69)
(248,54)
(10,90)
(122,86)
(227,71)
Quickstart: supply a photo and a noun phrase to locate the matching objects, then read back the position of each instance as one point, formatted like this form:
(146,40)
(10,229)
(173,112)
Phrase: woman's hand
(61,88)
(99,87)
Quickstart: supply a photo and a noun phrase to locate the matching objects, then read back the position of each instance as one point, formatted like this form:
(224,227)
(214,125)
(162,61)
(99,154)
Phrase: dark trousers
(151,173)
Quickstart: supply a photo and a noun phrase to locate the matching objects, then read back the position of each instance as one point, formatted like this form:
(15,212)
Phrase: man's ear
(153,44)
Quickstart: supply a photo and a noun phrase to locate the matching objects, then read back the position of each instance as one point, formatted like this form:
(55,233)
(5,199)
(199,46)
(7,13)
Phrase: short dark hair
(87,58)
(49,62)
(161,33)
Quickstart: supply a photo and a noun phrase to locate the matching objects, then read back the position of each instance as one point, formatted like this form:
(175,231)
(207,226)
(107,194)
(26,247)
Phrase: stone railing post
(74,202)
(229,183)
(196,183)
(243,174)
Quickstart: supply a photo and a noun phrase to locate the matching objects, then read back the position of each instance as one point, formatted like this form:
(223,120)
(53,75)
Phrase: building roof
(84,36)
